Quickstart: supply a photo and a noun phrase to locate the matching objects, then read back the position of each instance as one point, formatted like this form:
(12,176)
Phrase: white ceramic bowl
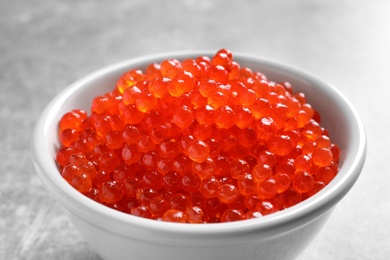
(282,235)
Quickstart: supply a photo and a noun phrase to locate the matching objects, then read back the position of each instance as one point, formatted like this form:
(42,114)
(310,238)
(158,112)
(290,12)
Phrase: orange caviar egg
(158,87)
(232,215)
(246,185)
(303,162)
(198,151)
(205,115)
(183,82)
(202,140)
(194,214)
(146,102)
(129,79)
(72,119)
(302,181)
(280,145)
(322,157)
(224,117)
(131,94)
(267,189)
(228,193)
(183,117)
(244,117)
(68,136)
(283,181)
(173,215)
(261,172)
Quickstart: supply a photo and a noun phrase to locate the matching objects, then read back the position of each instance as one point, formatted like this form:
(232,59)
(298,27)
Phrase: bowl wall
(282,246)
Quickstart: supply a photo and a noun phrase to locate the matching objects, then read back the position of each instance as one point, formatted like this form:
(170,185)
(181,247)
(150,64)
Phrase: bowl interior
(337,115)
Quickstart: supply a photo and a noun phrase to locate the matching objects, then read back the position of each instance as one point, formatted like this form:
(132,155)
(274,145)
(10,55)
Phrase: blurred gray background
(46,45)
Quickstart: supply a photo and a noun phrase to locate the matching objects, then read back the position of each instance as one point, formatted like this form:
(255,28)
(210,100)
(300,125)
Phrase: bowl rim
(315,205)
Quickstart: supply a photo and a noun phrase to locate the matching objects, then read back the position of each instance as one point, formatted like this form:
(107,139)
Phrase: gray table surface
(46,45)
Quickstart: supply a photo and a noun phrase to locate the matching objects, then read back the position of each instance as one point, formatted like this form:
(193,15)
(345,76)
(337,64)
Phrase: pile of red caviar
(202,140)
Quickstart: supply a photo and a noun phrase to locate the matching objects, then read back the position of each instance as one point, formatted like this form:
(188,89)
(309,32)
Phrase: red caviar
(202,140)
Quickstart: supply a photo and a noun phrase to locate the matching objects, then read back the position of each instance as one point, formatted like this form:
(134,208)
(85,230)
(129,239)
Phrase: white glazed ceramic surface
(282,235)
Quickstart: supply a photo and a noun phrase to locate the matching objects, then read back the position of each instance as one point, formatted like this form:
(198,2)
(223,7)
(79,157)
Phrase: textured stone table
(46,45)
